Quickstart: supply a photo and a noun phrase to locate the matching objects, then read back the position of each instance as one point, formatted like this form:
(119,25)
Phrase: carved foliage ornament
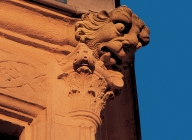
(90,83)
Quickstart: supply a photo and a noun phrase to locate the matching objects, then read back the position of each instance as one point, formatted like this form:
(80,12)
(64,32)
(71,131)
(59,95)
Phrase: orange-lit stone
(59,74)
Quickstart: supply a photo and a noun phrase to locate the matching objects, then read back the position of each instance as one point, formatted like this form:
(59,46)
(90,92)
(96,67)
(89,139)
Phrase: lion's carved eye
(120,27)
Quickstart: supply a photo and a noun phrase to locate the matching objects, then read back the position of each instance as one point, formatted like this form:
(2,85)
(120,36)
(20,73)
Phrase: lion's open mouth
(113,55)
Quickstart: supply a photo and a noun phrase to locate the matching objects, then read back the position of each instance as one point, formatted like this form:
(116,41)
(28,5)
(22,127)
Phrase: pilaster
(59,73)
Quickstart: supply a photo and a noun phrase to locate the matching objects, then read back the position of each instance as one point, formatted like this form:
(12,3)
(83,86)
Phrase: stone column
(90,85)
(92,72)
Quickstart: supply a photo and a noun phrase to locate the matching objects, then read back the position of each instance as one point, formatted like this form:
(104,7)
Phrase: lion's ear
(103,15)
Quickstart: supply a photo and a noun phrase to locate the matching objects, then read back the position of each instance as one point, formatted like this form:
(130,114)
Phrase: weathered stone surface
(59,73)
(113,36)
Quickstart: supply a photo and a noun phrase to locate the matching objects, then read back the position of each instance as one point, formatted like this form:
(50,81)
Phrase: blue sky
(164,69)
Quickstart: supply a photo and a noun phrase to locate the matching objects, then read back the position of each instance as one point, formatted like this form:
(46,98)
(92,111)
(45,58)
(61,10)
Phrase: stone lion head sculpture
(112,36)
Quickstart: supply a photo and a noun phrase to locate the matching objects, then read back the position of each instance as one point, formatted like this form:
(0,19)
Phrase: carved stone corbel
(107,43)
(113,36)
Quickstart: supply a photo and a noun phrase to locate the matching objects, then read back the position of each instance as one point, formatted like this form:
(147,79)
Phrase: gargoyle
(112,36)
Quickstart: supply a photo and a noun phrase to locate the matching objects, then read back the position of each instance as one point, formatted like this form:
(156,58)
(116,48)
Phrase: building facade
(67,70)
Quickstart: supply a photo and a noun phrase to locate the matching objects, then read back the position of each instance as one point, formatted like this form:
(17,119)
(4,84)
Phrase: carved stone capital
(90,83)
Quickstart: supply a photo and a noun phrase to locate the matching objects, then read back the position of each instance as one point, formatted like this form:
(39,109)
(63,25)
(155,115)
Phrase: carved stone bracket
(113,36)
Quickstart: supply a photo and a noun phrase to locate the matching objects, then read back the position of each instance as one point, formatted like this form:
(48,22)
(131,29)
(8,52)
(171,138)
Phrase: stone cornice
(37,43)
(36,26)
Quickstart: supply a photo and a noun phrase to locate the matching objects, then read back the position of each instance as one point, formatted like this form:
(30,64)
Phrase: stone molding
(11,105)
(94,50)
(36,33)
(61,37)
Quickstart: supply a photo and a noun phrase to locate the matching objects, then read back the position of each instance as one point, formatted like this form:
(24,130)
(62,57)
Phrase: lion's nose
(132,39)
(125,42)
(125,45)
